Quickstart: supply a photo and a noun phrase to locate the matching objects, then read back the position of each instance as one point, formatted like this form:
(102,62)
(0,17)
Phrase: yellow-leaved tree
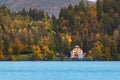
(1,55)
(36,52)
(97,50)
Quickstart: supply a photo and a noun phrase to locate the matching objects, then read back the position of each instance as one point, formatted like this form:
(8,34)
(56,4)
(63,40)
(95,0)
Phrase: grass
(24,57)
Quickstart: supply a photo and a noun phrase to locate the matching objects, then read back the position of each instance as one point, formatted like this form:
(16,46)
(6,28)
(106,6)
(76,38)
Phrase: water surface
(60,70)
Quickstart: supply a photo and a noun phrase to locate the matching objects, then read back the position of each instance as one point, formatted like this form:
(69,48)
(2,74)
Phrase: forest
(32,35)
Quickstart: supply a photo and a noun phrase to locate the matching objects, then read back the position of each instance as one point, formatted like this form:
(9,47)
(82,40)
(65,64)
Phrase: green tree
(99,9)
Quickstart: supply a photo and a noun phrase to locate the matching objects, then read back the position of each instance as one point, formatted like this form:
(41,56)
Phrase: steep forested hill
(33,35)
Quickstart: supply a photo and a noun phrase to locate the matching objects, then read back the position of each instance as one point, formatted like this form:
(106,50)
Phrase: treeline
(96,28)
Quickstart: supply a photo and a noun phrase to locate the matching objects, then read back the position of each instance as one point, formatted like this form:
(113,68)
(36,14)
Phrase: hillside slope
(50,6)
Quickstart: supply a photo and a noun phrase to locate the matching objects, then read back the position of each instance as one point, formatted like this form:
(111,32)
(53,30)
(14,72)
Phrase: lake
(48,70)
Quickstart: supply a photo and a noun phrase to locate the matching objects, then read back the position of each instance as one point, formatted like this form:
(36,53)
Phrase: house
(77,53)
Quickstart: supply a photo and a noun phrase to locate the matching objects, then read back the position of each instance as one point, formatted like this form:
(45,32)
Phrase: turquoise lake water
(74,70)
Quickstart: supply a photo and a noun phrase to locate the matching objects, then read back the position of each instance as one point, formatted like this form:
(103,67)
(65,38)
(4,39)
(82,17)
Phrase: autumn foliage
(95,27)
